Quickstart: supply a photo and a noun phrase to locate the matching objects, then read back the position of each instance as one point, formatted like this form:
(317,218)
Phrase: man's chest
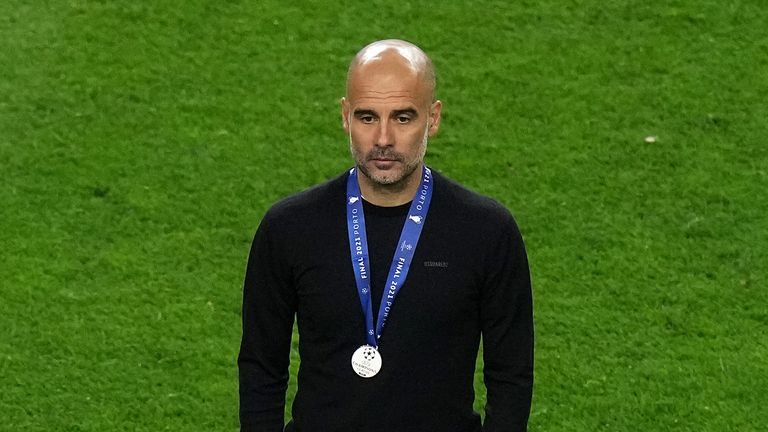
(441,287)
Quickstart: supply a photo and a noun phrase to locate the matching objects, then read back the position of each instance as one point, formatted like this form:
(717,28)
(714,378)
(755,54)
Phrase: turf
(140,143)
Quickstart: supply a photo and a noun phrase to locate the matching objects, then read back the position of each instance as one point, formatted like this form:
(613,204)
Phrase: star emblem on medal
(353,199)
(416,219)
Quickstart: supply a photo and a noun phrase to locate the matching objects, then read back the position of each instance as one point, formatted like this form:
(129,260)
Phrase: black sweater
(469,276)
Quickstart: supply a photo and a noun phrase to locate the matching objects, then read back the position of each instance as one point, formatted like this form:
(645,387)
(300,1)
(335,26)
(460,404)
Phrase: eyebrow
(409,111)
(361,112)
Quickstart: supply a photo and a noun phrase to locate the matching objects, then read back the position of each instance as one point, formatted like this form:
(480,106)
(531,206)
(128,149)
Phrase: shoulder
(310,203)
(470,205)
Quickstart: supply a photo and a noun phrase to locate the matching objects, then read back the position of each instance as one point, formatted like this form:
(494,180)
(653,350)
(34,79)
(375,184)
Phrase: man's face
(389,114)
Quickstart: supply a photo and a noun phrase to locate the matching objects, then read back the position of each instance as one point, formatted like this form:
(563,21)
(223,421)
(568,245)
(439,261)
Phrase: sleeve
(507,326)
(269,305)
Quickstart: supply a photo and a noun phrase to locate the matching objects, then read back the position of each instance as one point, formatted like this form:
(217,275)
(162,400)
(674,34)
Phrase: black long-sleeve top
(469,276)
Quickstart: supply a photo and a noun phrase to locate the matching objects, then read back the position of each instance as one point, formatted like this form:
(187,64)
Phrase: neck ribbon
(401,262)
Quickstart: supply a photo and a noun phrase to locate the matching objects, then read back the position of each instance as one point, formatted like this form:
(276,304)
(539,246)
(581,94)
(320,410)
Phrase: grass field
(141,142)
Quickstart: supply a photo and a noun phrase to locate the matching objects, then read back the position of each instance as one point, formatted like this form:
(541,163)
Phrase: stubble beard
(390,182)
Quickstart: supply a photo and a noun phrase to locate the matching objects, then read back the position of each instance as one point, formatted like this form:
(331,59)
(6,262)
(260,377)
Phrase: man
(393,273)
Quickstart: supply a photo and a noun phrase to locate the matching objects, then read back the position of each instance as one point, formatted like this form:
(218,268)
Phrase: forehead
(386,83)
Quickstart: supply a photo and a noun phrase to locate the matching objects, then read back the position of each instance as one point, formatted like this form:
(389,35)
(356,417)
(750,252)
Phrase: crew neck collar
(400,210)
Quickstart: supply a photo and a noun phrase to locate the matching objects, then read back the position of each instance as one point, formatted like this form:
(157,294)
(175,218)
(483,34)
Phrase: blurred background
(141,143)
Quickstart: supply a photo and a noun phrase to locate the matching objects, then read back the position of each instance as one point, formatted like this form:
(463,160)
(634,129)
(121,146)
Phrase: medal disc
(366,361)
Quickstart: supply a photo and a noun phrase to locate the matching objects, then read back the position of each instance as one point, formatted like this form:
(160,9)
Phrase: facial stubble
(386,182)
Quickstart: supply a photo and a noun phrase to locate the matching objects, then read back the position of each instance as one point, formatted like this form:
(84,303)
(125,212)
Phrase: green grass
(141,143)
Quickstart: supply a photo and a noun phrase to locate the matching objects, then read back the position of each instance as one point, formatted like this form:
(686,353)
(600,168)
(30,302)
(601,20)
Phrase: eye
(367,118)
(403,119)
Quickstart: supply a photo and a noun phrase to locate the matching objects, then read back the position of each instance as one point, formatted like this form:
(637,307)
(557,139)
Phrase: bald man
(393,273)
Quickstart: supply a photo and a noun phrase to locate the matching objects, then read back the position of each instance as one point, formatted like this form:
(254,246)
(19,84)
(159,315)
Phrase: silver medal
(366,361)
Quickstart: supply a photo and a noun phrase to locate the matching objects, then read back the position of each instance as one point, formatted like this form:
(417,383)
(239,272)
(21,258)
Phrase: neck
(390,195)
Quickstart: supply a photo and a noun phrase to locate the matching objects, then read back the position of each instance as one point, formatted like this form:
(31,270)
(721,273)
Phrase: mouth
(384,163)
(384,157)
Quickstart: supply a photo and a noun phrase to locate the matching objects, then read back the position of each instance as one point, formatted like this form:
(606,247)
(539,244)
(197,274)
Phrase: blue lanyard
(401,262)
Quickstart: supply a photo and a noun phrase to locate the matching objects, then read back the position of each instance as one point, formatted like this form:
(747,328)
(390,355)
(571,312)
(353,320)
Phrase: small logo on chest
(440,264)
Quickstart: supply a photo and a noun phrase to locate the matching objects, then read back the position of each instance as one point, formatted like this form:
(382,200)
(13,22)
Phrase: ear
(434,117)
(345,114)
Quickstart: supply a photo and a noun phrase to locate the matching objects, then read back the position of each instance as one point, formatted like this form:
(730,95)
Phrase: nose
(384,138)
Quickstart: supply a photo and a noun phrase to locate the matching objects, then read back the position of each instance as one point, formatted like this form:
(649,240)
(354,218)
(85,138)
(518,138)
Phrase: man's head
(390,110)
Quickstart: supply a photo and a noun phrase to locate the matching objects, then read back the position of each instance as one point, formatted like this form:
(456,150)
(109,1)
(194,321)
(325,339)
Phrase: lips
(384,157)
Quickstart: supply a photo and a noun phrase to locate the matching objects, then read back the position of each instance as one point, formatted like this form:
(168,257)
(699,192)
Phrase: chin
(380,176)
(392,176)
(386,179)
